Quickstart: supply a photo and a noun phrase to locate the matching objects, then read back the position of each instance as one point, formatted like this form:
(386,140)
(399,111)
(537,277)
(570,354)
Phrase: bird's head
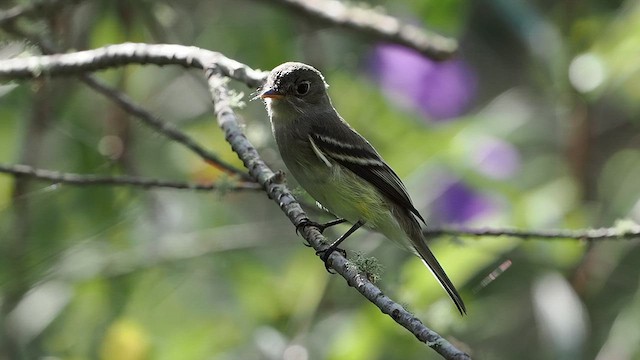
(294,87)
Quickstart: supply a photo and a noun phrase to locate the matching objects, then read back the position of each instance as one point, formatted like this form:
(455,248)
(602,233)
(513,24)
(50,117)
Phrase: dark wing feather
(363,160)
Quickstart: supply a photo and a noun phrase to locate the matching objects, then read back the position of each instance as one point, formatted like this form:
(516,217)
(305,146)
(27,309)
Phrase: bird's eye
(303,88)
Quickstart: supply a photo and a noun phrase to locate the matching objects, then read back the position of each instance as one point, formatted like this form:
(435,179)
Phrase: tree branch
(373,24)
(127,54)
(88,180)
(161,126)
(630,231)
(277,190)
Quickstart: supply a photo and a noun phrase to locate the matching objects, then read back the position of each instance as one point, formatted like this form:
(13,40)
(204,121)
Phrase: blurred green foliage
(122,273)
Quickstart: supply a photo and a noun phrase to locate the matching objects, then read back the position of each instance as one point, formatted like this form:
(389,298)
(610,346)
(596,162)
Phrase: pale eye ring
(303,87)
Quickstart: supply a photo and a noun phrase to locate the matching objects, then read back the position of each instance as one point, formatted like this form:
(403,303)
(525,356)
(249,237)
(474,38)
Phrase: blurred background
(533,125)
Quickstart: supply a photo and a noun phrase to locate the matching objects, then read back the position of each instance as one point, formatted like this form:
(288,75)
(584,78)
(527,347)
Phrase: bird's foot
(326,253)
(321,227)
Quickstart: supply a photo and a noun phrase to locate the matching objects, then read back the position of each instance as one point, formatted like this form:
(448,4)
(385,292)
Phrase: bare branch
(127,54)
(88,180)
(624,230)
(277,190)
(614,233)
(373,24)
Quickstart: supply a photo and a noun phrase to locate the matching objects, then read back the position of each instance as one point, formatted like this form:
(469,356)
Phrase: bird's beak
(271,94)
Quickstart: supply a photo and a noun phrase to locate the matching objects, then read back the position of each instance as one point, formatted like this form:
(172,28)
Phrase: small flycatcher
(339,168)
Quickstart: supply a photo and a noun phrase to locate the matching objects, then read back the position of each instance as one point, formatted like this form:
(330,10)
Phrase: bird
(339,168)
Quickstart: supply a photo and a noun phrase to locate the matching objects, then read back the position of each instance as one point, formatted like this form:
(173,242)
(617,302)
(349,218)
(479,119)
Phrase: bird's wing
(351,150)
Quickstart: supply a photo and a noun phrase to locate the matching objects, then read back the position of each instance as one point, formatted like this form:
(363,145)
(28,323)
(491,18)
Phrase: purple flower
(496,158)
(437,90)
(458,204)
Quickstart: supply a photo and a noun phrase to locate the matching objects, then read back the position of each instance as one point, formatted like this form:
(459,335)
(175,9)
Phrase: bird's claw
(326,253)
(303,224)
(306,222)
(321,227)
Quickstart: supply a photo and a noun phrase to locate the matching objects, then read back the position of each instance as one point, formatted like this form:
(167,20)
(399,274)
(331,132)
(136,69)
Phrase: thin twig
(165,128)
(613,233)
(277,190)
(623,231)
(89,180)
(374,24)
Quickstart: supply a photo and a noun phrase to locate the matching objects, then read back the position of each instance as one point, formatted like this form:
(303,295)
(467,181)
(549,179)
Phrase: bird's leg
(324,254)
(321,227)
(331,223)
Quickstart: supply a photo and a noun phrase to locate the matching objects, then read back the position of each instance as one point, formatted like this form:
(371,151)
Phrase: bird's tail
(432,263)
(420,247)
